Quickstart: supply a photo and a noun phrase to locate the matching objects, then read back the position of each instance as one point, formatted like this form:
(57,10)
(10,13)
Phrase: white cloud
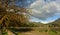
(43,10)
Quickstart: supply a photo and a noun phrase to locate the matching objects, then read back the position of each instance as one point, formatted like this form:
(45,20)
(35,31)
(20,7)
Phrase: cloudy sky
(43,10)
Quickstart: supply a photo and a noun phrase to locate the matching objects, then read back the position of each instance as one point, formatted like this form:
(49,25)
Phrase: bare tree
(11,13)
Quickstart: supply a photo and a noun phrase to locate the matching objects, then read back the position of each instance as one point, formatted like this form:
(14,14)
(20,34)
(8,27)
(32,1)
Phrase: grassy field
(37,31)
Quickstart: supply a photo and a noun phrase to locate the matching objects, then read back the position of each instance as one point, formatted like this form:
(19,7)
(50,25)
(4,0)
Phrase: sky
(24,3)
(43,11)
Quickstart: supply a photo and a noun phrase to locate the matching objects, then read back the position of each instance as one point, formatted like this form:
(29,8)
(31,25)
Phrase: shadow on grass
(21,29)
(15,30)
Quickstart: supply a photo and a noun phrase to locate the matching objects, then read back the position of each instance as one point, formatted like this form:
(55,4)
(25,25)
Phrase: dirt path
(30,33)
(36,33)
(10,33)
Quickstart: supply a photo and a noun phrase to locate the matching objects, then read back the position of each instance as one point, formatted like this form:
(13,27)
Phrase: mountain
(55,23)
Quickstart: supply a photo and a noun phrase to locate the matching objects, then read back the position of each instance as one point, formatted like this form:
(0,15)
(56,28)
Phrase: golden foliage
(8,18)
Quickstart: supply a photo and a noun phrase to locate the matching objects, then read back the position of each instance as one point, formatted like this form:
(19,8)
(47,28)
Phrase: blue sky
(42,10)
(24,3)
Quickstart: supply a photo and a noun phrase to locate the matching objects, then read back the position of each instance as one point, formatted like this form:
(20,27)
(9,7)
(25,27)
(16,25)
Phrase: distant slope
(55,23)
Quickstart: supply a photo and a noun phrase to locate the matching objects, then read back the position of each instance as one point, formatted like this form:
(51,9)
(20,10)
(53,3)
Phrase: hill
(55,23)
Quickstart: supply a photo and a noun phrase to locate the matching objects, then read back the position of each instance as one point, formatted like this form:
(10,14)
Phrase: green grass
(5,33)
(52,33)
